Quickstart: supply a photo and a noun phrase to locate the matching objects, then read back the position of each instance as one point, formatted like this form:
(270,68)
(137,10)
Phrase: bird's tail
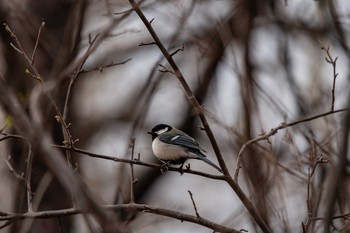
(201,157)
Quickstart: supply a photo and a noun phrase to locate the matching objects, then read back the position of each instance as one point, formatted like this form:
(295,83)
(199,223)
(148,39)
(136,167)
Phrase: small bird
(172,146)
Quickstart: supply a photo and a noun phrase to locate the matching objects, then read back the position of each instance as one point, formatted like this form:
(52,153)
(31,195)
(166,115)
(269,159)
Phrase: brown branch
(60,117)
(73,67)
(37,42)
(138,162)
(314,161)
(63,118)
(132,180)
(194,204)
(333,61)
(165,70)
(123,207)
(273,131)
(123,12)
(343,216)
(198,109)
(74,76)
(146,44)
(20,50)
(28,178)
(28,169)
(8,223)
(12,170)
(178,50)
(51,157)
(8,136)
(193,101)
(101,68)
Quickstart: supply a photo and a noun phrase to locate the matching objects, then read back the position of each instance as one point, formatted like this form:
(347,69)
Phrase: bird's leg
(164,168)
(181,168)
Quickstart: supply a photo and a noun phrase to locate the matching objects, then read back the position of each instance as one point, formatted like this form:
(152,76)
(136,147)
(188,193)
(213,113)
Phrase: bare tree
(263,85)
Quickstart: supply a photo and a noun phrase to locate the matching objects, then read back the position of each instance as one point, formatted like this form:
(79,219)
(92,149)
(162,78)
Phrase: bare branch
(194,204)
(60,117)
(20,50)
(12,170)
(125,207)
(165,70)
(132,180)
(178,50)
(138,162)
(101,68)
(37,42)
(146,44)
(333,61)
(197,107)
(28,177)
(273,131)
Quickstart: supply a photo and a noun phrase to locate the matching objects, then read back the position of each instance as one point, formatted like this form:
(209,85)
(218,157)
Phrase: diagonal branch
(194,204)
(37,42)
(191,98)
(198,109)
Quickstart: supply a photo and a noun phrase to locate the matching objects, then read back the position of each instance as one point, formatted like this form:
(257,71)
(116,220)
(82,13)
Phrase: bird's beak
(150,133)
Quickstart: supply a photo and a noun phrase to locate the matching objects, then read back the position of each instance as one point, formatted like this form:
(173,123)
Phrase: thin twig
(194,204)
(132,180)
(333,61)
(314,162)
(273,131)
(8,136)
(28,169)
(343,216)
(165,70)
(312,165)
(146,44)
(178,50)
(123,12)
(12,170)
(62,119)
(28,178)
(9,222)
(101,68)
(37,42)
(37,77)
(20,49)
(73,79)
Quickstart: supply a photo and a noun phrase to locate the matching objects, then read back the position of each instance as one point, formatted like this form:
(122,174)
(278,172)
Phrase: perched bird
(172,146)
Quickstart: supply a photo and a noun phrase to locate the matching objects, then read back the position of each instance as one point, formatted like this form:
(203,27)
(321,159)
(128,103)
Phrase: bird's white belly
(166,152)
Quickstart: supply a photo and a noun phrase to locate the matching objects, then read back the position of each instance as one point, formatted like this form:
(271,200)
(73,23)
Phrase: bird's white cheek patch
(159,132)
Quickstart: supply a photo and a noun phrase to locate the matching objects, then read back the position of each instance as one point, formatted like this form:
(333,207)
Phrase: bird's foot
(181,170)
(164,168)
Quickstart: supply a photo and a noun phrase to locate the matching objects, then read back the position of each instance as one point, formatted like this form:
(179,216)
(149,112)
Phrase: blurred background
(252,65)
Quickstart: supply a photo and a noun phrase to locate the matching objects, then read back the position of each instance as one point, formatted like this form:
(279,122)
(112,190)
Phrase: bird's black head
(159,129)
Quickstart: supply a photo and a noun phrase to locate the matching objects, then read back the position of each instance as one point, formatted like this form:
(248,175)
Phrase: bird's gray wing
(180,139)
(183,139)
